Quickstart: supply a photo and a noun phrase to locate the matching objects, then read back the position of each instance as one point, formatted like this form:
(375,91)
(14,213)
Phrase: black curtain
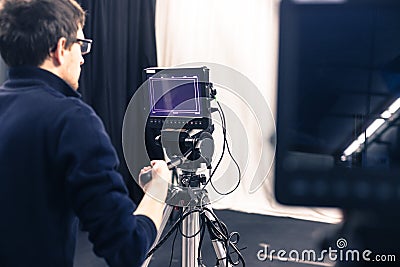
(123,33)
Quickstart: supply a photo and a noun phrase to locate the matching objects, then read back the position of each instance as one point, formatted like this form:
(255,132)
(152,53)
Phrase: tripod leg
(190,239)
(219,247)
(166,214)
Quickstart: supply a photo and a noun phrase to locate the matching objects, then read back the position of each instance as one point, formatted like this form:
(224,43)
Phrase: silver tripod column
(190,239)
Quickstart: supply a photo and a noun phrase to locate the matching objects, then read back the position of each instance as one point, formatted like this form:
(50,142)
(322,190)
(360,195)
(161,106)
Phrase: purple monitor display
(175,97)
(178,98)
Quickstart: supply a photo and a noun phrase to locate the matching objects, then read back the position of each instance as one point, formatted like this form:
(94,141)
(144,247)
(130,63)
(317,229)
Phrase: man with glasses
(57,163)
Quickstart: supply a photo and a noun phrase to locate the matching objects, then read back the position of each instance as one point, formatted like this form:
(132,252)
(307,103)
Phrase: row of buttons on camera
(175,122)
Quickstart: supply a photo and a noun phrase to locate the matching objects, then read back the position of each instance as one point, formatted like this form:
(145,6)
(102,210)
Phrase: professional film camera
(180,124)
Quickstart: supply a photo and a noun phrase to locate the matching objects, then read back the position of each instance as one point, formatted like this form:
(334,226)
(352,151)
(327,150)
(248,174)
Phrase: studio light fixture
(382,121)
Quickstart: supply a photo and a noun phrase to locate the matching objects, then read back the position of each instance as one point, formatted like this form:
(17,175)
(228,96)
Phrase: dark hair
(30,29)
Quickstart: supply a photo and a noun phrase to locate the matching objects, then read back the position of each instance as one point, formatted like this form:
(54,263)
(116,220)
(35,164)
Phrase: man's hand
(156,190)
(157,185)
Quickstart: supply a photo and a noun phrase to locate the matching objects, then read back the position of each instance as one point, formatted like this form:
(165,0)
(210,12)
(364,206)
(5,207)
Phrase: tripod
(196,215)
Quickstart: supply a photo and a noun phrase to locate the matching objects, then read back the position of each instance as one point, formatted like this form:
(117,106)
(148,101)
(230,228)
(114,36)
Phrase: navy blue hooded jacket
(57,164)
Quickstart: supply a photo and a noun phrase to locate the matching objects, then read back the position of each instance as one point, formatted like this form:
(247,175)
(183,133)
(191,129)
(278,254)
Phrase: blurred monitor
(338,109)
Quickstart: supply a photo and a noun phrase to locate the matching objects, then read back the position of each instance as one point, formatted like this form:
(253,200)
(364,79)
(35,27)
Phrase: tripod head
(187,153)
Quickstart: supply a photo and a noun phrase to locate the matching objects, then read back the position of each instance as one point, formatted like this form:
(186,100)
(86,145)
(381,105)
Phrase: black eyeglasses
(86,45)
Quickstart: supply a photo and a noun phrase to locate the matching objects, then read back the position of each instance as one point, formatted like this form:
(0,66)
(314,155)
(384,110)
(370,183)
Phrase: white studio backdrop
(241,35)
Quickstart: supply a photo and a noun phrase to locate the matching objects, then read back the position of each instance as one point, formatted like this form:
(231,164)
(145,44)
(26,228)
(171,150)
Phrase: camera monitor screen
(175,96)
(178,97)
(338,138)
